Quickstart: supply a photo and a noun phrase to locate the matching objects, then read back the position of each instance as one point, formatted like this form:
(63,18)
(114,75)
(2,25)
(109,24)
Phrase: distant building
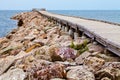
(42,9)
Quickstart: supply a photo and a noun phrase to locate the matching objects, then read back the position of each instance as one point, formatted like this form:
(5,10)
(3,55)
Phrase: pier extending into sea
(107,34)
(49,46)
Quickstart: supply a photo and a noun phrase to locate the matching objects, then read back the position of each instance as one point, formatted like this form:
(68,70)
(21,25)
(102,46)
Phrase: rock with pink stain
(65,53)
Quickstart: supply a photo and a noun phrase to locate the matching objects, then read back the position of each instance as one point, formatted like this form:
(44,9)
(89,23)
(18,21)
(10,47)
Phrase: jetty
(48,46)
(106,33)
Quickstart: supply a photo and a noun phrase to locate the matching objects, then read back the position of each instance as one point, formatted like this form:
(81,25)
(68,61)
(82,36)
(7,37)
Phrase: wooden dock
(105,33)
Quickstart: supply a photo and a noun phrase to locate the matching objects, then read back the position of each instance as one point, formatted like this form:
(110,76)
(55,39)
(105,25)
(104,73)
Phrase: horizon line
(64,9)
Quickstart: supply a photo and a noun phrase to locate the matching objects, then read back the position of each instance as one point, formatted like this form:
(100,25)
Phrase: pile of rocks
(39,50)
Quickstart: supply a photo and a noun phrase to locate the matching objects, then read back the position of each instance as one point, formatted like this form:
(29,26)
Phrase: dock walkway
(105,33)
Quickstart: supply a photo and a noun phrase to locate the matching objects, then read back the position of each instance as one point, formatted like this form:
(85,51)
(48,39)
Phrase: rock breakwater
(39,50)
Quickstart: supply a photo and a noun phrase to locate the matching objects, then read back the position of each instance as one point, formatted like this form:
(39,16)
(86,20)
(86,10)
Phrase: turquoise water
(6,24)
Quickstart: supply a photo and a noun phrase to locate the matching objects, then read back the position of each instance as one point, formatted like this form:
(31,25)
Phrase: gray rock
(95,48)
(66,63)
(13,45)
(80,59)
(30,37)
(15,74)
(112,64)
(80,73)
(5,63)
(109,71)
(105,78)
(94,62)
(21,54)
(57,79)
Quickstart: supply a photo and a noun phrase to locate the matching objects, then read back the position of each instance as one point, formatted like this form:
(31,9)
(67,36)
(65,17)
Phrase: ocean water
(106,15)
(6,24)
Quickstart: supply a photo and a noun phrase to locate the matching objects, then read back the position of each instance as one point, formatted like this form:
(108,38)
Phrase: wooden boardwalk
(106,34)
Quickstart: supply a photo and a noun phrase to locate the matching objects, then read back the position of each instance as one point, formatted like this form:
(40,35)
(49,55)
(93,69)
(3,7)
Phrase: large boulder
(80,73)
(109,71)
(63,53)
(50,72)
(13,45)
(5,63)
(95,48)
(80,59)
(43,53)
(15,74)
(94,62)
(64,38)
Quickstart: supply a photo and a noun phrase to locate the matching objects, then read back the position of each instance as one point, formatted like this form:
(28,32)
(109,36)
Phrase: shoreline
(40,49)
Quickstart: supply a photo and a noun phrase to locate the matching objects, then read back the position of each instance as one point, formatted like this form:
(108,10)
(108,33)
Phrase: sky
(60,4)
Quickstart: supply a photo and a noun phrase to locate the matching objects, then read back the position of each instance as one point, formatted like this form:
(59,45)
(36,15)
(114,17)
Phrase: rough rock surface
(109,71)
(95,48)
(39,50)
(15,74)
(5,63)
(80,73)
(64,53)
(52,71)
(57,79)
(80,59)
(94,62)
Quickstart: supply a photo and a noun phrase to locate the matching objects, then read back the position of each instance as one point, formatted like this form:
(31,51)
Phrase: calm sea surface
(6,25)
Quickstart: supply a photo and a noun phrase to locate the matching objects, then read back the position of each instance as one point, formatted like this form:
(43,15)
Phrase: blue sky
(60,4)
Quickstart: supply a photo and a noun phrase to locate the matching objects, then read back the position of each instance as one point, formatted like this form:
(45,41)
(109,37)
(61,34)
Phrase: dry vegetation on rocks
(39,50)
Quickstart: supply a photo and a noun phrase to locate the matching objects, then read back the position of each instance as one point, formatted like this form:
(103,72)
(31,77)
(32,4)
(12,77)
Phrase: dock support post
(71,32)
(63,28)
(76,35)
(59,25)
(56,22)
(66,29)
(106,50)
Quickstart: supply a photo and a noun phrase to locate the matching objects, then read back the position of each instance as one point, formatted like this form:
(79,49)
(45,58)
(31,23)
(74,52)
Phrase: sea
(6,24)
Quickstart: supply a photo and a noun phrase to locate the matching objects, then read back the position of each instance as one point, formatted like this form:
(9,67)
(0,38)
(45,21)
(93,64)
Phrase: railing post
(66,28)
(63,28)
(71,32)
(76,35)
